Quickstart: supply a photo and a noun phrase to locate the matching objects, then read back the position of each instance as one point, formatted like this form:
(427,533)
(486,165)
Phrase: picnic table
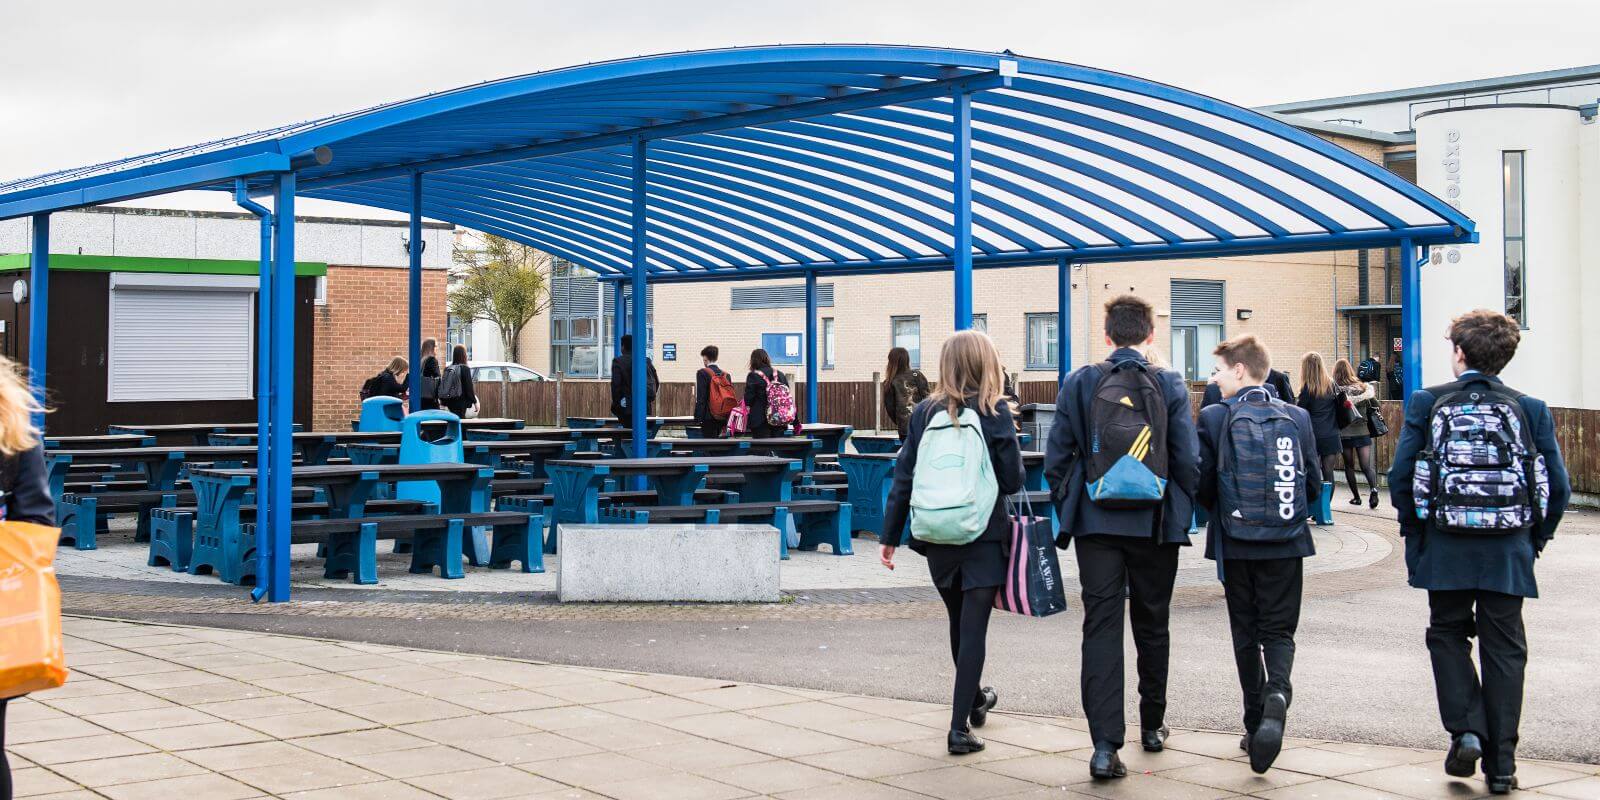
(220,540)
(576,484)
(199,432)
(875,442)
(115,440)
(869,476)
(160,466)
(315,447)
(498,434)
(489,424)
(527,452)
(652,425)
(832,435)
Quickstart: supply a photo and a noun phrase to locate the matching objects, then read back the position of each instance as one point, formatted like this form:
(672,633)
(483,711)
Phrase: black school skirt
(974,565)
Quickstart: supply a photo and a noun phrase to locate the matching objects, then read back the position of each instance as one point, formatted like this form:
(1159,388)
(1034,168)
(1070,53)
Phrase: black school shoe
(1154,740)
(1462,760)
(963,742)
(1106,764)
(980,712)
(1501,784)
(1268,738)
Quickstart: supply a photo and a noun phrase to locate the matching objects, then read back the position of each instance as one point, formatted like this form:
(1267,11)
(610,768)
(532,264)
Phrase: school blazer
(1064,469)
(1440,561)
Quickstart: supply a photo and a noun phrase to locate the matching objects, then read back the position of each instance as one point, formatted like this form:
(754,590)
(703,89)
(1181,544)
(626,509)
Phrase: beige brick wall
(361,327)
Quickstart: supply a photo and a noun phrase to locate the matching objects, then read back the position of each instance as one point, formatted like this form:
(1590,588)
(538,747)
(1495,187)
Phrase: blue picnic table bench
(81,510)
(870,475)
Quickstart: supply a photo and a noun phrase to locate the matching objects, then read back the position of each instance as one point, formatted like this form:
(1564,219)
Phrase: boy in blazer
(1476,583)
(1116,548)
(1261,580)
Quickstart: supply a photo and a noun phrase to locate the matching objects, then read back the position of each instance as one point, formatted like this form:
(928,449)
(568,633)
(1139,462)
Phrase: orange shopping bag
(31,658)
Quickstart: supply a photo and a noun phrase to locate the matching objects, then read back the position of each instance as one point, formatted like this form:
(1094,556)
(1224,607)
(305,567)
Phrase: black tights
(1364,455)
(1330,467)
(969,631)
(5,767)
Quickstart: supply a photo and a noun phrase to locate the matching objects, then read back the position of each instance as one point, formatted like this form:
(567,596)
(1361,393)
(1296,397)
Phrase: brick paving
(165,711)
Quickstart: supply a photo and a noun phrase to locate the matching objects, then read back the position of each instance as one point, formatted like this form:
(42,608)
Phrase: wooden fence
(855,403)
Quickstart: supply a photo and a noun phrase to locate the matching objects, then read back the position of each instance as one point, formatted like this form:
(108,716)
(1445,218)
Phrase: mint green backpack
(953,489)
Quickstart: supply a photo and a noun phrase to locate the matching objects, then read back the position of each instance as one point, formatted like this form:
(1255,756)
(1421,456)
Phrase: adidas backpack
(1478,472)
(953,488)
(1261,471)
(1127,448)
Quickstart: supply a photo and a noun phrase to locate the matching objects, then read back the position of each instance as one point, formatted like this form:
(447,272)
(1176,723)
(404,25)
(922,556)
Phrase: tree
(503,282)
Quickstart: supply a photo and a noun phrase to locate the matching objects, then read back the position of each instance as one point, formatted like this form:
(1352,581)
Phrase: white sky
(88,81)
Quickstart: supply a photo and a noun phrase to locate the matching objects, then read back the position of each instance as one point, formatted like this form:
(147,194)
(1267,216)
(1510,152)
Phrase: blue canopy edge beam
(961,192)
(414,249)
(39,313)
(264,548)
(815,108)
(639,397)
(275,500)
(144,186)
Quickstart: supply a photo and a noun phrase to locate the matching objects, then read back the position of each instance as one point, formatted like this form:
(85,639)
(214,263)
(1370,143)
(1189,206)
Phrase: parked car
(495,371)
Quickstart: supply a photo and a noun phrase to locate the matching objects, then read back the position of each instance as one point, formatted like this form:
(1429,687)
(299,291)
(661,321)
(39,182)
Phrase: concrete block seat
(174,531)
(437,540)
(816,513)
(669,563)
(641,497)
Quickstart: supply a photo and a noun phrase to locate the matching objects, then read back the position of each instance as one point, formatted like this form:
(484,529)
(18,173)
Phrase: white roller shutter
(180,338)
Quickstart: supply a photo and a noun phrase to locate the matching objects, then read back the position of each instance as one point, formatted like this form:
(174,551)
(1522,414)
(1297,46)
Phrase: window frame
(1521,239)
(1050,363)
(828,343)
(916,355)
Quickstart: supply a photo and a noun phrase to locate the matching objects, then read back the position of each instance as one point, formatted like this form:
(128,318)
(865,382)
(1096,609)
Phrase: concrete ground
(163,712)
(1362,673)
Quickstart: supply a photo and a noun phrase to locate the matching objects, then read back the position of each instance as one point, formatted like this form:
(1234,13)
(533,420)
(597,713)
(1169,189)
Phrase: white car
(495,371)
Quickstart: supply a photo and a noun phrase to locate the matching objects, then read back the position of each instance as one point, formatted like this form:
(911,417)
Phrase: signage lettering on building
(1452,190)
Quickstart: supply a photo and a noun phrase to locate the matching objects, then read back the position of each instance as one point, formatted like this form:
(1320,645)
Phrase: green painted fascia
(192,266)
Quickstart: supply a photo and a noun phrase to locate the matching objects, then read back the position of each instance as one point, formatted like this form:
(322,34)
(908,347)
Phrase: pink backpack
(739,419)
(780,404)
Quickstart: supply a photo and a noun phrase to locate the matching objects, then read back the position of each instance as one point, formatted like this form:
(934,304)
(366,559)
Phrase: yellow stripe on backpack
(1141,444)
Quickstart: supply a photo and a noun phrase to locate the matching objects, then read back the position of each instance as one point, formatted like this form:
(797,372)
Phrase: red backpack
(720,399)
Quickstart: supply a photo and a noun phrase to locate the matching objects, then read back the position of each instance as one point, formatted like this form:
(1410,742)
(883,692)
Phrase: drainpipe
(241,196)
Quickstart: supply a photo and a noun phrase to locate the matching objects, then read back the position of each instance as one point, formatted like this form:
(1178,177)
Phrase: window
(458,331)
(1042,341)
(522,375)
(319,294)
(907,332)
(980,322)
(180,337)
(1197,326)
(1516,246)
(827,343)
(487,375)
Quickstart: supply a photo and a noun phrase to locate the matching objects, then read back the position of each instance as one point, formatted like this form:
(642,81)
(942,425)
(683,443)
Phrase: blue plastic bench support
(576,490)
(78,517)
(217,531)
(870,479)
(439,547)
(171,538)
(355,555)
(522,541)
(829,528)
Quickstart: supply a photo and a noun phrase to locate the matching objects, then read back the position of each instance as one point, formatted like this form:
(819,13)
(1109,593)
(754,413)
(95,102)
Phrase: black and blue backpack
(1261,470)
(1127,449)
(1479,472)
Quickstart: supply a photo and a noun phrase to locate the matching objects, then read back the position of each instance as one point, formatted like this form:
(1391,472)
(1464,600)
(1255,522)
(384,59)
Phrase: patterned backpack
(1479,473)
(780,402)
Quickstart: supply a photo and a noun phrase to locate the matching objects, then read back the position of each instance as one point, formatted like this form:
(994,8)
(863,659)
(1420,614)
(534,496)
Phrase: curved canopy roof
(770,160)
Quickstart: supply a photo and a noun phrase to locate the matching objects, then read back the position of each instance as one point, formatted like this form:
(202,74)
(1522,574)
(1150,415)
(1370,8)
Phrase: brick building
(353,293)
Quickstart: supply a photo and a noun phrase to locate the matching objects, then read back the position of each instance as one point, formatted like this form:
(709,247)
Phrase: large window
(457,331)
(980,322)
(1516,244)
(1197,326)
(907,332)
(1043,342)
(827,343)
(180,337)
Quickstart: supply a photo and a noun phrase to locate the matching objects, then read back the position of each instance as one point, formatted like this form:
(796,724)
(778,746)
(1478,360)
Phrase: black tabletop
(107,440)
(334,472)
(336,436)
(157,452)
(194,427)
(682,463)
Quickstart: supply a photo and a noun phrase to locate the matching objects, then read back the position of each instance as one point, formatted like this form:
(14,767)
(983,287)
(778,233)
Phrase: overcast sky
(82,82)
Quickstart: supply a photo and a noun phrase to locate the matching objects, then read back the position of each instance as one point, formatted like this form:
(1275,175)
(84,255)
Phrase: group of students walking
(1477,481)
(449,387)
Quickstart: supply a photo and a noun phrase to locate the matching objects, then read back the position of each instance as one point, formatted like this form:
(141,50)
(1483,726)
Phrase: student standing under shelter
(713,395)
(1258,471)
(1122,464)
(1474,552)
(622,383)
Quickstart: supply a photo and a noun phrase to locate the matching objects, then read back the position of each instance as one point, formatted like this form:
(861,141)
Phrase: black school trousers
(1491,707)
(1263,612)
(1107,565)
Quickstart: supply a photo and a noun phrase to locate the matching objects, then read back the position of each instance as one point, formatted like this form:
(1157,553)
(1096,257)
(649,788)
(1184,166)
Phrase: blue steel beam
(1063,319)
(1410,318)
(264,549)
(811,347)
(276,499)
(136,187)
(39,313)
(639,401)
(961,190)
(414,249)
(815,108)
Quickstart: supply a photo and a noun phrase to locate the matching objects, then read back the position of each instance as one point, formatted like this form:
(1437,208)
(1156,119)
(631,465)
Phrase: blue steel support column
(811,347)
(414,247)
(241,195)
(1410,318)
(961,152)
(1063,319)
(276,500)
(39,310)
(619,316)
(639,402)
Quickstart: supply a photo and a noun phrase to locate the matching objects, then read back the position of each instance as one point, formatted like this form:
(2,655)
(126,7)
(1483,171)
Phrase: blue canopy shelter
(787,161)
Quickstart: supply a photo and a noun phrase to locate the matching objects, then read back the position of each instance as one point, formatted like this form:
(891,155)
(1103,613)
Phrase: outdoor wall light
(1244,313)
